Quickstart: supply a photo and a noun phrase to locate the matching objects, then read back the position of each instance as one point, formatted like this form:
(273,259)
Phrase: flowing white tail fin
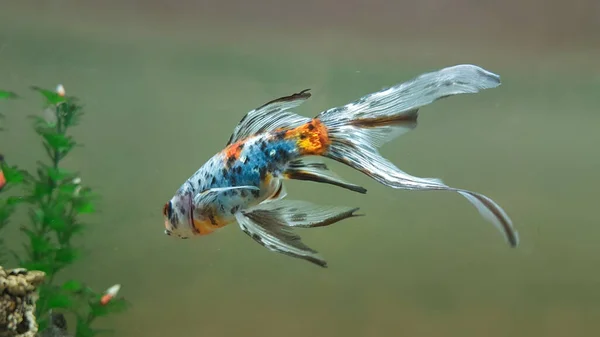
(357,129)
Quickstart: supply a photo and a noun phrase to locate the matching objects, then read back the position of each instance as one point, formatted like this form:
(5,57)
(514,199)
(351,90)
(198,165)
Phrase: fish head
(177,214)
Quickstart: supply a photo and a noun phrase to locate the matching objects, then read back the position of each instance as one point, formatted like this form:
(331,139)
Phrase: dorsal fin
(270,116)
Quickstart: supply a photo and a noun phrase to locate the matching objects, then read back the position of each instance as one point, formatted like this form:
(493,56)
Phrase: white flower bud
(60,90)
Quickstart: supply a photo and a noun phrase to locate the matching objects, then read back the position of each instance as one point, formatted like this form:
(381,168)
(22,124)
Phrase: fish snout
(171,219)
(177,214)
(174,231)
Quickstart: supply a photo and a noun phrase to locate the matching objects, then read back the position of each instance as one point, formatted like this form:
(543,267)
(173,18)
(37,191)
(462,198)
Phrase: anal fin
(313,170)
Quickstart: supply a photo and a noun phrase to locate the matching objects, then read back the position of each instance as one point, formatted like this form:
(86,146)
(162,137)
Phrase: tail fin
(356,130)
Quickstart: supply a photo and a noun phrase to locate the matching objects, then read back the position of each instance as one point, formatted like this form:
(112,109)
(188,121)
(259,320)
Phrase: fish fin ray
(301,214)
(280,192)
(271,116)
(384,115)
(311,169)
(375,166)
(276,237)
(492,212)
(358,129)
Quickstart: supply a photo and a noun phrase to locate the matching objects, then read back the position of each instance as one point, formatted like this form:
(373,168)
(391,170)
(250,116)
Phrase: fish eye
(168,210)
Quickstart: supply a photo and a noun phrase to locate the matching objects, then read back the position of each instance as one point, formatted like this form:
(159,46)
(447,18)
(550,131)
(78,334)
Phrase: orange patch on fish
(205,227)
(267,180)
(233,151)
(312,137)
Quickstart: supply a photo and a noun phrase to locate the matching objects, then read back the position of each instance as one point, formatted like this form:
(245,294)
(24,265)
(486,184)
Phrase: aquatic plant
(56,199)
(6,209)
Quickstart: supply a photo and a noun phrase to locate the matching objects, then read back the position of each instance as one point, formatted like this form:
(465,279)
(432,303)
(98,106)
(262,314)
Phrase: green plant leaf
(12,174)
(2,252)
(59,300)
(56,223)
(39,243)
(6,210)
(72,286)
(85,207)
(59,174)
(117,305)
(44,266)
(66,255)
(52,97)
(42,323)
(15,200)
(7,95)
(41,189)
(49,151)
(68,189)
(59,141)
(38,216)
(71,113)
(85,201)
(84,329)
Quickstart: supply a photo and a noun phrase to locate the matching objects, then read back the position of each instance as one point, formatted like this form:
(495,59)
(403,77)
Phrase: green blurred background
(165,83)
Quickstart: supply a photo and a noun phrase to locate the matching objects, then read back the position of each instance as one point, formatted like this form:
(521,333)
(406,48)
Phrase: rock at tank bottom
(18,294)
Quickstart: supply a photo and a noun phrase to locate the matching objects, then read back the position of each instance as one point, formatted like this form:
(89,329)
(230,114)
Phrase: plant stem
(55,161)
(59,130)
(43,229)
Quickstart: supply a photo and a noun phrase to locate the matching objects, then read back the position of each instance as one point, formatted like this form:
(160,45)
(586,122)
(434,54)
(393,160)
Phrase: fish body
(253,163)
(244,182)
(246,173)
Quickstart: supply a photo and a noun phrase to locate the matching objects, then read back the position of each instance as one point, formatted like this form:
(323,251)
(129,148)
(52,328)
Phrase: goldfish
(244,183)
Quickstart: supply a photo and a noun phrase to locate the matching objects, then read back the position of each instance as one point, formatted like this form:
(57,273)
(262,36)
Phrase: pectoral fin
(269,224)
(212,194)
